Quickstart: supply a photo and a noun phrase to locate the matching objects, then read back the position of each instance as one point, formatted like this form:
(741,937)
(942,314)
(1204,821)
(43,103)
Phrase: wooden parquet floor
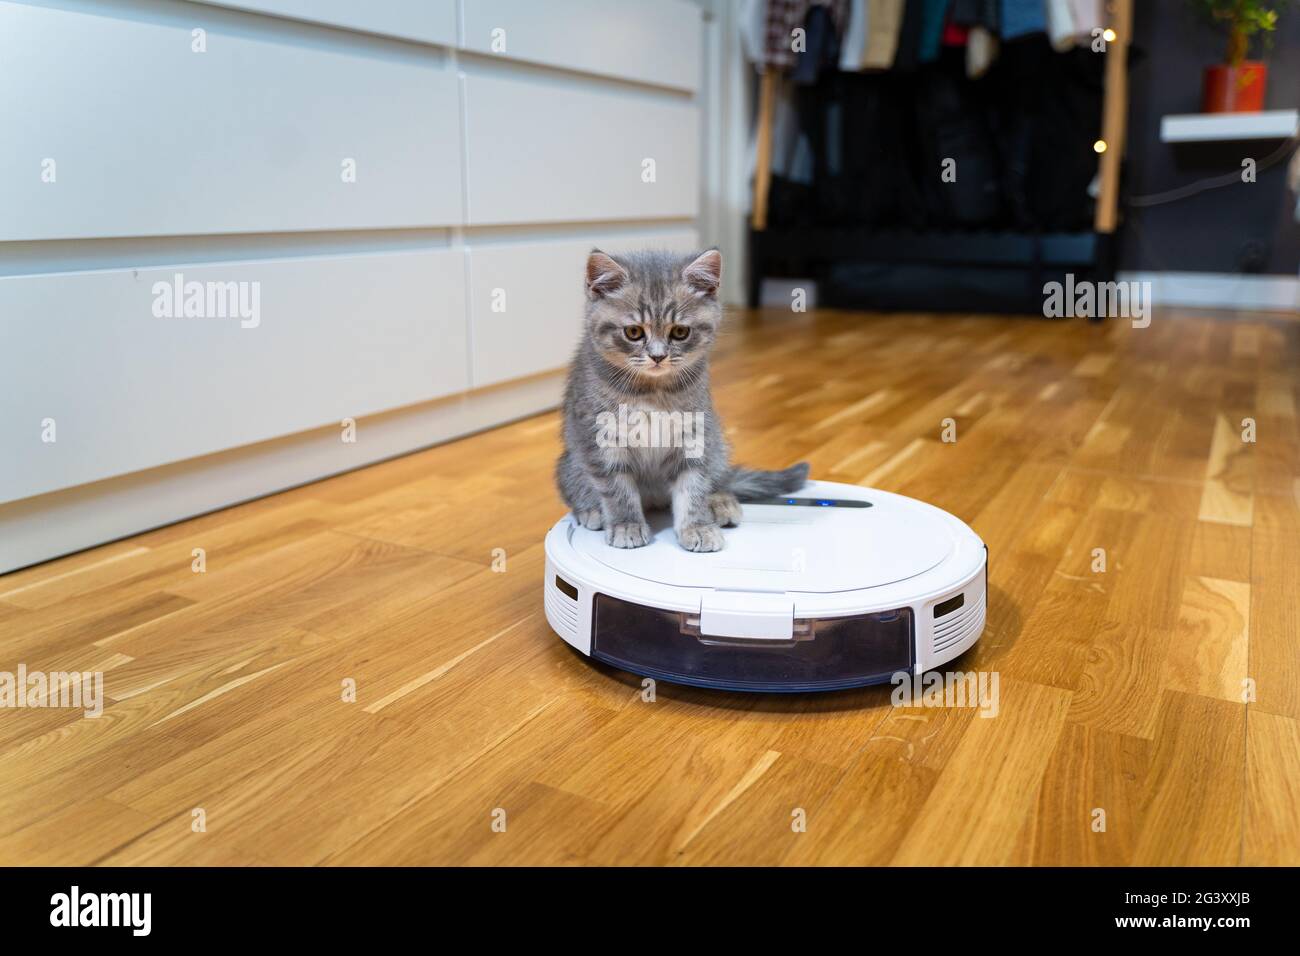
(1163,692)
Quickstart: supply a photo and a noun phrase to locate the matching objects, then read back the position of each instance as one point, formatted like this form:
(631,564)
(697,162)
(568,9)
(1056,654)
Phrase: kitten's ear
(604,275)
(704,273)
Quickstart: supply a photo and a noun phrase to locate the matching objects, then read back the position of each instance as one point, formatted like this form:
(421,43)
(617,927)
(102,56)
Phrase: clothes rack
(802,250)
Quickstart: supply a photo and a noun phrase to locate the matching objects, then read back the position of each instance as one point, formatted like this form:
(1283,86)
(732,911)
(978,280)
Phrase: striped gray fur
(651,320)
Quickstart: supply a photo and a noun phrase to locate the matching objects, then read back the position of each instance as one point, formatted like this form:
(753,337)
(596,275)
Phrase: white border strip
(1221,290)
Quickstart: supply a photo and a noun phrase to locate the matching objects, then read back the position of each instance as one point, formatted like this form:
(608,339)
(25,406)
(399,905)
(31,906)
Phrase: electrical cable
(1213,182)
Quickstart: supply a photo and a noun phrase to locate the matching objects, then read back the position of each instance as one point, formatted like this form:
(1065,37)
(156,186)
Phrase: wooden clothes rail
(1114,114)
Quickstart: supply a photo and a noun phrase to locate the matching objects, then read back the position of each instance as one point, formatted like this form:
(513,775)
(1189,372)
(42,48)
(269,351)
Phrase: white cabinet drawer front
(553,153)
(526,300)
(651,41)
(425,21)
(129,132)
(282,346)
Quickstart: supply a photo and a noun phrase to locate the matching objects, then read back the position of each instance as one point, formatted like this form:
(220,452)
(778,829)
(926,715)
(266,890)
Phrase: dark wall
(1237,228)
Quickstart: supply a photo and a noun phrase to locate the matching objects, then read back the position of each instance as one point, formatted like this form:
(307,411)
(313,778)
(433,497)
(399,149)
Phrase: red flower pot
(1235,89)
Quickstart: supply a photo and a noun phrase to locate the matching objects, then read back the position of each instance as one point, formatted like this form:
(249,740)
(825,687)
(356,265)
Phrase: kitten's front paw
(701,537)
(634,534)
(590,519)
(726,509)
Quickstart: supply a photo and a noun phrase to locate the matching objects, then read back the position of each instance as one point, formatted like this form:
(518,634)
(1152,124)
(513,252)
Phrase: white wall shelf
(1227,127)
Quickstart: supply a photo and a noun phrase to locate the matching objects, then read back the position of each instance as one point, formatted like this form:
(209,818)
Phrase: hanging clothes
(1048,114)
(791,155)
(1087,15)
(977,13)
(983,19)
(981,51)
(954,34)
(854,41)
(884,22)
(822,46)
(1070,22)
(933,15)
(1060,24)
(950,124)
(784,17)
(907,56)
(872,97)
(1018,18)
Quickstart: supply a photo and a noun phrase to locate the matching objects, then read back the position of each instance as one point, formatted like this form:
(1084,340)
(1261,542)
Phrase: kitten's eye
(634,333)
(680,333)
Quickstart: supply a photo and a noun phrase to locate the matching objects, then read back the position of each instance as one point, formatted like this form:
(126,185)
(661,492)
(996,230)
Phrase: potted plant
(1237,86)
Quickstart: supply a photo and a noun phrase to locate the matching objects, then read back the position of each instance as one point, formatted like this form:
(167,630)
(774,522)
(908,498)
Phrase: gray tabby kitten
(651,319)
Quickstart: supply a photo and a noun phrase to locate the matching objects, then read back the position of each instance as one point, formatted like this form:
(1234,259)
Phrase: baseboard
(1221,290)
(780,293)
(48,526)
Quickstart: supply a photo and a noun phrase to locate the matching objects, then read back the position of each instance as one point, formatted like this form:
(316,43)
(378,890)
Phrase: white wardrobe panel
(428,21)
(44,527)
(85,360)
(526,300)
(654,41)
(129,132)
(548,152)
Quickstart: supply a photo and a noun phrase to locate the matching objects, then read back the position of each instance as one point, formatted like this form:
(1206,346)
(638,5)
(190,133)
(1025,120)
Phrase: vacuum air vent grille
(562,610)
(958,626)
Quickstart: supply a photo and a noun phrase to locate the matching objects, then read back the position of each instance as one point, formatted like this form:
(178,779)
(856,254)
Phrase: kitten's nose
(658,358)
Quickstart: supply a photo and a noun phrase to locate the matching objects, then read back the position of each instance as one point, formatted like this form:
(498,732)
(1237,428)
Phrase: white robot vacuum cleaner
(832,587)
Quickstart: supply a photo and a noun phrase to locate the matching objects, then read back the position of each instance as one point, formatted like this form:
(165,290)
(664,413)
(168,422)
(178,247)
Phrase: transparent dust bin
(830,653)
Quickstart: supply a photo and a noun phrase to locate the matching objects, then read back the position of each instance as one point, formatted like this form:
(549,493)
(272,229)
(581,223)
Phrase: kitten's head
(653,313)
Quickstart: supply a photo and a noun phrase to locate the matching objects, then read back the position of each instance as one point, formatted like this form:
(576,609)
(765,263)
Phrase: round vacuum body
(831,587)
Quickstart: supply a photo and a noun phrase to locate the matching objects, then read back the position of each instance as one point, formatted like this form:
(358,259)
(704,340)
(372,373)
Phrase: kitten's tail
(748,484)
